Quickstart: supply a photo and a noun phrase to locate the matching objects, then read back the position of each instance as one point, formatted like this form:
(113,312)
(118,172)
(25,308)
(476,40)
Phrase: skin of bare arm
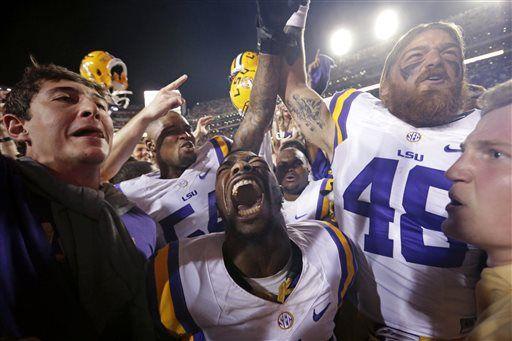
(307,108)
(258,118)
(127,138)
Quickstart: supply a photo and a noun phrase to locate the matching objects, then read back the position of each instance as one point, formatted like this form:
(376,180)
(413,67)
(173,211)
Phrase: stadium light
(386,24)
(466,61)
(341,41)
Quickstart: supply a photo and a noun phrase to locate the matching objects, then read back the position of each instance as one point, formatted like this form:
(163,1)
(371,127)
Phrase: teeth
(249,211)
(234,191)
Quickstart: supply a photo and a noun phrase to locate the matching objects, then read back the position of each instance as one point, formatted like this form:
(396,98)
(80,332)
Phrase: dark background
(160,40)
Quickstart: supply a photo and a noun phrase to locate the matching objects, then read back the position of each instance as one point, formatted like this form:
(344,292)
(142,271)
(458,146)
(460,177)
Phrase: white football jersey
(390,194)
(185,206)
(194,293)
(312,203)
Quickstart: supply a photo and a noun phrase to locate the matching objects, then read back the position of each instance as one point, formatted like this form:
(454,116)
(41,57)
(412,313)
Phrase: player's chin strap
(120,98)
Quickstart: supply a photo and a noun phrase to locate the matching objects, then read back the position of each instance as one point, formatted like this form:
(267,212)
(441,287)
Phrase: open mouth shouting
(247,198)
(89,131)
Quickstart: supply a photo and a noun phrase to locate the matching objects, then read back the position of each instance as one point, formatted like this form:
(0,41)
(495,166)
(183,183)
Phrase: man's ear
(16,128)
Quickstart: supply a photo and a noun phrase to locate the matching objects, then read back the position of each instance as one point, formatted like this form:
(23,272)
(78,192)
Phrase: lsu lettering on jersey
(312,204)
(185,206)
(194,293)
(390,194)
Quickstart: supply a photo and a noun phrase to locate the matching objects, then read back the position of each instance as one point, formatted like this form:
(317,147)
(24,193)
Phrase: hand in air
(202,124)
(166,99)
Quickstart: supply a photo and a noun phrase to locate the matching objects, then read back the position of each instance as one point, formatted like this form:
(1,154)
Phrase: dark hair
(297,145)
(18,100)
(496,97)
(131,170)
(452,29)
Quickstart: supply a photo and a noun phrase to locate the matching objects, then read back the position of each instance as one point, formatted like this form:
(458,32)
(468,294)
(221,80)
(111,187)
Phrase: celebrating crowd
(350,217)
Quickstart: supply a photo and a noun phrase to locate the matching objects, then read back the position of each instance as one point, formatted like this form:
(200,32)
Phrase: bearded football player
(388,158)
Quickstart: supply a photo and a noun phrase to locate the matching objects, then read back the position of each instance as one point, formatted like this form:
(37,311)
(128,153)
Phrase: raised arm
(307,108)
(127,138)
(259,116)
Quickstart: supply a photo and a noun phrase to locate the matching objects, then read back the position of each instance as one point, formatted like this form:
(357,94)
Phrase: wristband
(5,139)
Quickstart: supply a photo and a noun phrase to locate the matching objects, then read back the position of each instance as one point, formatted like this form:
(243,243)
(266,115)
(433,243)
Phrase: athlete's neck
(260,257)
(168,172)
(291,196)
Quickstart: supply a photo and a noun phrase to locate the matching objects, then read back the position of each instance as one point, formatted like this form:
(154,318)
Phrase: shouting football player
(388,161)
(261,279)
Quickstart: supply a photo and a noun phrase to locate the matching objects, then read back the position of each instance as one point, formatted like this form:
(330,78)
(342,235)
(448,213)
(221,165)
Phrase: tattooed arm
(259,116)
(308,109)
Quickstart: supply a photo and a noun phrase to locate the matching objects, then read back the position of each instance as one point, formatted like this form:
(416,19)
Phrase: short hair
(452,29)
(18,100)
(496,97)
(297,145)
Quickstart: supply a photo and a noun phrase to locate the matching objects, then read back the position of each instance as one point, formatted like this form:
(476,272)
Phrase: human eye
(451,54)
(63,98)
(495,154)
(413,57)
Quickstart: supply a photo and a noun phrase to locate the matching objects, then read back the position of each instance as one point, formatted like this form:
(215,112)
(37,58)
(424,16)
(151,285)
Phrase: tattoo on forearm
(261,110)
(307,111)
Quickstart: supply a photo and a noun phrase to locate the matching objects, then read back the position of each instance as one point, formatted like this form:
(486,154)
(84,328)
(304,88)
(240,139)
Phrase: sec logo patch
(285,320)
(413,136)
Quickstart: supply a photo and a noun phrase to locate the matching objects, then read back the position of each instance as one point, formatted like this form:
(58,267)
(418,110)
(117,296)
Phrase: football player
(388,160)
(261,279)
(181,194)
(480,210)
(302,199)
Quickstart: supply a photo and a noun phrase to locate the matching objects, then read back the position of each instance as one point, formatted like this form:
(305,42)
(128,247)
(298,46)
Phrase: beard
(425,108)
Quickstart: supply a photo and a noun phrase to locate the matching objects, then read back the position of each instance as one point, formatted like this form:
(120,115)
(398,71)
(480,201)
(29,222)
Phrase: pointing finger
(176,84)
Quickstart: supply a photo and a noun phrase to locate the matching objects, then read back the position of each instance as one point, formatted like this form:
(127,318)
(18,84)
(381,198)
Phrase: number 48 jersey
(390,194)
(185,206)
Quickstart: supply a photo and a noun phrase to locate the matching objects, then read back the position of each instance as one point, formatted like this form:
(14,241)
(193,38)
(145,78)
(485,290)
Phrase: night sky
(160,40)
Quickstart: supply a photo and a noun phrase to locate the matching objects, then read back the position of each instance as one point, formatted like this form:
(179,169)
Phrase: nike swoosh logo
(300,216)
(203,175)
(317,317)
(448,149)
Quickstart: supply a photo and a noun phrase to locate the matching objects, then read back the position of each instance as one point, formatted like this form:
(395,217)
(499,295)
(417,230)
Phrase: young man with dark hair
(72,250)
(388,161)
(480,211)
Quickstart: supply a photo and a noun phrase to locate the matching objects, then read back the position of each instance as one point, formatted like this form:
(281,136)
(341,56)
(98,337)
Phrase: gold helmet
(103,68)
(245,61)
(240,90)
